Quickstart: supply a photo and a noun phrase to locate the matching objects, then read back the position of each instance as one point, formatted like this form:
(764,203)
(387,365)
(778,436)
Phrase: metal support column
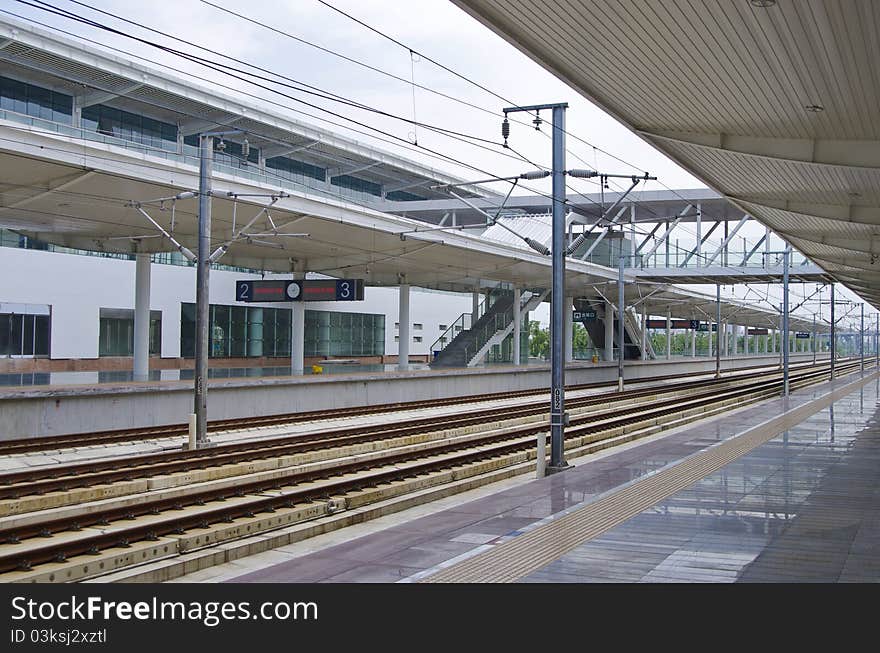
(785,260)
(693,343)
(141,370)
(645,333)
(621,316)
(717,330)
(734,344)
(203,268)
(862,342)
(557,314)
(833,338)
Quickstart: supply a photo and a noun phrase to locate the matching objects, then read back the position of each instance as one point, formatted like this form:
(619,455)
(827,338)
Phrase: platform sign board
(333,290)
(673,324)
(801,335)
(704,326)
(583,316)
(277,290)
(758,332)
(297,290)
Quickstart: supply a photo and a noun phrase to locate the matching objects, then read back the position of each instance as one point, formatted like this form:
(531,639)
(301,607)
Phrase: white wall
(77,287)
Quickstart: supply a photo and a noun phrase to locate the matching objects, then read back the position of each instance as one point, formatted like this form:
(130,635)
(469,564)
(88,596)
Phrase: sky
(435,29)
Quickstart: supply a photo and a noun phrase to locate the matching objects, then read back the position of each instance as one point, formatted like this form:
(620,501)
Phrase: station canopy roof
(80,190)
(772,103)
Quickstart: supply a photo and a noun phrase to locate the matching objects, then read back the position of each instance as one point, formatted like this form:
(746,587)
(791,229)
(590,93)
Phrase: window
(295,170)
(116,332)
(254,331)
(35,101)
(396,338)
(402,196)
(357,184)
(130,127)
(417,338)
(24,334)
(397,325)
(417,326)
(443,327)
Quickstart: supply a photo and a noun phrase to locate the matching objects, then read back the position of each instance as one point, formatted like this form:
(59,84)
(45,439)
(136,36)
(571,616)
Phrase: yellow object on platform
(317,369)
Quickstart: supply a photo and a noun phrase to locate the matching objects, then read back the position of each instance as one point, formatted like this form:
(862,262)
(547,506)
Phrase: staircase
(468,346)
(632,330)
(533,300)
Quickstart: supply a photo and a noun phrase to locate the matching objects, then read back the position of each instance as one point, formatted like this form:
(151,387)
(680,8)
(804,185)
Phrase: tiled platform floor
(805,506)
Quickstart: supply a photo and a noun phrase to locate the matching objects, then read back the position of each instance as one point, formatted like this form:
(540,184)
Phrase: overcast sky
(435,28)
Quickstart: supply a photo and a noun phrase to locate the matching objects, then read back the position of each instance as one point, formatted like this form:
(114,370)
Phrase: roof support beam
(669,228)
(753,250)
(100,97)
(696,249)
(602,235)
(727,240)
(406,185)
(283,150)
(339,172)
(836,152)
(192,127)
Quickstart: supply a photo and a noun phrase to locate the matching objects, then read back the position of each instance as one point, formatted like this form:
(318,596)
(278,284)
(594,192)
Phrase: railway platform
(782,491)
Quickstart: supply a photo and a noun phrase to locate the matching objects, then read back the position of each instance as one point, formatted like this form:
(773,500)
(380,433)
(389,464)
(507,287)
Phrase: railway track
(309,491)
(33,444)
(65,477)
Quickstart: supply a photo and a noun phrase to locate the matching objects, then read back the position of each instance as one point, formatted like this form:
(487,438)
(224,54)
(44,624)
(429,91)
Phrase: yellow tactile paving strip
(526,553)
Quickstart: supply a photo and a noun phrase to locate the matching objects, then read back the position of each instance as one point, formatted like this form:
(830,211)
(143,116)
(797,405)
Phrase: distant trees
(539,340)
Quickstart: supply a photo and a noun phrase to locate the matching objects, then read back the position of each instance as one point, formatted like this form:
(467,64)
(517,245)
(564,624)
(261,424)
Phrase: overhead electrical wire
(219,68)
(319,93)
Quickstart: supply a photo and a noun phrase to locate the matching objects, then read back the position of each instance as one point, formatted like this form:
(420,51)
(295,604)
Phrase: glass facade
(22,334)
(357,184)
(116,333)
(334,333)
(402,196)
(295,170)
(238,331)
(35,101)
(130,127)
(252,331)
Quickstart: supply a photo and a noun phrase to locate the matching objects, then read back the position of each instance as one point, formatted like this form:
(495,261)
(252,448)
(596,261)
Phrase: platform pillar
(645,334)
(668,334)
(725,342)
(694,343)
(734,345)
(404,332)
(142,317)
(609,332)
(517,325)
(475,305)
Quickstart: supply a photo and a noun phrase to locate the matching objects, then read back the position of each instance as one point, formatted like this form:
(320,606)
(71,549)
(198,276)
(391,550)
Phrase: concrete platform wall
(38,412)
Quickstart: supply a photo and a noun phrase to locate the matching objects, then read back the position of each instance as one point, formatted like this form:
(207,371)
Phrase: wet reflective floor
(802,506)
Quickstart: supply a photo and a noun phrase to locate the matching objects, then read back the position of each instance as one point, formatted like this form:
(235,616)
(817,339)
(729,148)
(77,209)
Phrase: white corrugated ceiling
(773,106)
